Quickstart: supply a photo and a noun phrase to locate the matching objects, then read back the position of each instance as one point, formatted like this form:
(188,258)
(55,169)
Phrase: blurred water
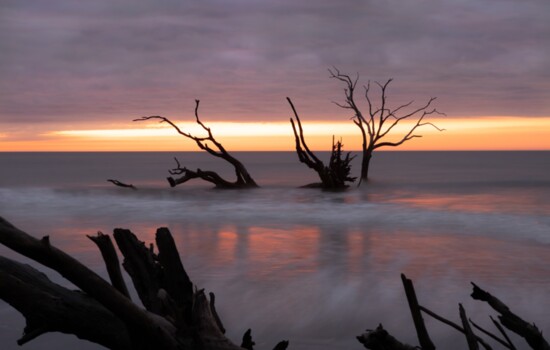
(310,266)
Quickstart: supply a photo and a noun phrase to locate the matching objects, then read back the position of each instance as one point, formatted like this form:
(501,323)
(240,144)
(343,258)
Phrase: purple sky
(108,61)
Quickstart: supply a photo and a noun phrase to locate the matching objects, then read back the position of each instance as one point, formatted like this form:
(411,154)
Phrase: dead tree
(176,314)
(377,124)
(244,180)
(337,173)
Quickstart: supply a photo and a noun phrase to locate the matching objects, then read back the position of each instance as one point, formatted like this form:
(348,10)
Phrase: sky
(74,74)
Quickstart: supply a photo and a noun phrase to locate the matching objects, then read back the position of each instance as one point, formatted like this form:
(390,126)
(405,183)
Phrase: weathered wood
(457,327)
(247,342)
(142,325)
(470,336)
(282,345)
(110,258)
(530,332)
(173,277)
(491,335)
(380,339)
(244,179)
(503,332)
(215,312)
(421,331)
(140,264)
(122,184)
(49,307)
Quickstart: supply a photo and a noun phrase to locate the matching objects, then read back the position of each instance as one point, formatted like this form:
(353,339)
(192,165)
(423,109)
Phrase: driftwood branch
(243,178)
(122,184)
(530,332)
(140,322)
(457,327)
(470,336)
(176,314)
(48,307)
(175,317)
(421,331)
(380,339)
(110,258)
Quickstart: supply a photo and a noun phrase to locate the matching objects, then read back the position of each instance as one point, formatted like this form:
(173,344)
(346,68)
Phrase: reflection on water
(509,202)
(310,266)
(320,285)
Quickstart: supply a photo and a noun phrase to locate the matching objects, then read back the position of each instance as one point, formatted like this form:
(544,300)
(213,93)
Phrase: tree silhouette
(333,176)
(244,180)
(379,121)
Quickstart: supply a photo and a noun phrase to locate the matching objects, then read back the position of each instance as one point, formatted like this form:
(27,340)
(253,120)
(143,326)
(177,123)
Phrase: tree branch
(48,307)
(528,331)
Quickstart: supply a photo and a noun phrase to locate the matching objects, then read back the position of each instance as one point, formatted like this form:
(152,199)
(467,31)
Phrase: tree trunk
(365,162)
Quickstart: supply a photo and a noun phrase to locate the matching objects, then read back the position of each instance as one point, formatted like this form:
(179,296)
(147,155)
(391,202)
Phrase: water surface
(313,267)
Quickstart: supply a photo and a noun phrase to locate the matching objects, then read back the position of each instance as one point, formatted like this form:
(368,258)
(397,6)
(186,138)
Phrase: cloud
(108,61)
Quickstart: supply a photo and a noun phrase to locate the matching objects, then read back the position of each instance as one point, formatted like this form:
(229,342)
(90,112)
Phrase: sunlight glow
(221,129)
(487,133)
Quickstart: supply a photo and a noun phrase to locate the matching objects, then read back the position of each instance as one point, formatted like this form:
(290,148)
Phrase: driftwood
(122,184)
(530,332)
(244,180)
(176,314)
(337,173)
(381,339)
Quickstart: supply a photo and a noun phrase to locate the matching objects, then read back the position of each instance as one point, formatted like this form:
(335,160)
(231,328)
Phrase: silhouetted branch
(333,176)
(528,331)
(421,331)
(470,336)
(110,258)
(491,335)
(244,180)
(380,339)
(457,327)
(378,122)
(122,184)
(48,307)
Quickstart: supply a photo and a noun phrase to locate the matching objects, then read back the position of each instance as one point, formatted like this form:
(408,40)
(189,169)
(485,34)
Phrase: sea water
(313,267)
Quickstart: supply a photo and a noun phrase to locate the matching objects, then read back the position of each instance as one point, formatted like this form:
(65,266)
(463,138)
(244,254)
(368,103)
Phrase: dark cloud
(66,61)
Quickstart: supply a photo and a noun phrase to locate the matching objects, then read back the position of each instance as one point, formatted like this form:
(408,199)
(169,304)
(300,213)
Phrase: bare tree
(379,121)
(337,173)
(244,180)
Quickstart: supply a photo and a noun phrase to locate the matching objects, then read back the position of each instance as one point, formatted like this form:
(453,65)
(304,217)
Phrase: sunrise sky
(75,73)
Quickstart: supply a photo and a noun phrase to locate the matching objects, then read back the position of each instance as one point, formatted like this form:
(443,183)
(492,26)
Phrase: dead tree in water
(380,121)
(176,314)
(244,180)
(333,176)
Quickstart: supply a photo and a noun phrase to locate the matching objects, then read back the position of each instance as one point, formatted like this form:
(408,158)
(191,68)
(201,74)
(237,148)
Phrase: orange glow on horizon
(487,133)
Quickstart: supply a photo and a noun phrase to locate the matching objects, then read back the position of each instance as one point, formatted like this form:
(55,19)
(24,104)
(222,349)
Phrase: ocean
(313,267)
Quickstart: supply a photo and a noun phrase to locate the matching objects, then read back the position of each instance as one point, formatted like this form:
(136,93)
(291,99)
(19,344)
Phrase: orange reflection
(472,256)
(288,252)
(226,246)
(356,252)
(479,203)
